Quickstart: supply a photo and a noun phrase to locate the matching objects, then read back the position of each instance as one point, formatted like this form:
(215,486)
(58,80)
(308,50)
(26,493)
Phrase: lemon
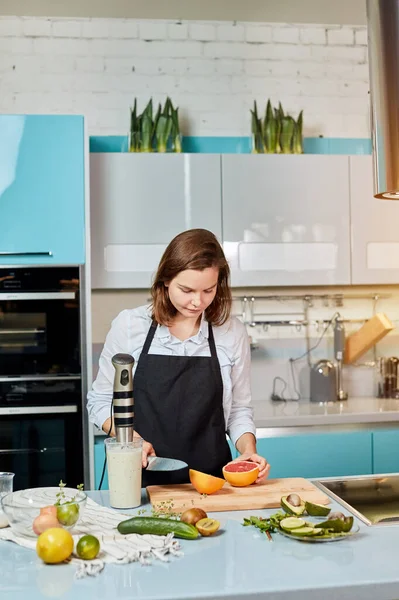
(68,514)
(88,547)
(54,545)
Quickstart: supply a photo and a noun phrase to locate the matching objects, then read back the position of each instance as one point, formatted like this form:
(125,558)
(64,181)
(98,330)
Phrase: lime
(68,514)
(306,531)
(54,545)
(290,523)
(88,547)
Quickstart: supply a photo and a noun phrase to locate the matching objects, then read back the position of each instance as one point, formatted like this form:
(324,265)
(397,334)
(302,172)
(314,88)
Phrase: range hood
(383,48)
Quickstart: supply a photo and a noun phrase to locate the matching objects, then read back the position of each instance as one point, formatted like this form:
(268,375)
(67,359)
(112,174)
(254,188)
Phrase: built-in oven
(41,420)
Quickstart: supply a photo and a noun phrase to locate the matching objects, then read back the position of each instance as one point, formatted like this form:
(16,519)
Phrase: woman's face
(191,292)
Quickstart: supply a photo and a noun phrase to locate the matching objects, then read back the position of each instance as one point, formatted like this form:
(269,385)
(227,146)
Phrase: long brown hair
(196,249)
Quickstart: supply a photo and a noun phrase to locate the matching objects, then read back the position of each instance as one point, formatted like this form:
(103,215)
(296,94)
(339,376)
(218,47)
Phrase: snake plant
(257,134)
(278,133)
(155,133)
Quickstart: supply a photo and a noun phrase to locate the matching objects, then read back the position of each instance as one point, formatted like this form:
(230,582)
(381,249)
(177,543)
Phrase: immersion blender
(123,403)
(339,349)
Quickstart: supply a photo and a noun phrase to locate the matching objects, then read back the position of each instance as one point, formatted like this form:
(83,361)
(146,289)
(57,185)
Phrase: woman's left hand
(264,467)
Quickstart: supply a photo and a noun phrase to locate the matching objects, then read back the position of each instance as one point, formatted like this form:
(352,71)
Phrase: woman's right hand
(106,427)
(148,449)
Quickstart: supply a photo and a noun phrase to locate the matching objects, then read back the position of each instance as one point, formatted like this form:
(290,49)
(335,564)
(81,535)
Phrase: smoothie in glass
(124,472)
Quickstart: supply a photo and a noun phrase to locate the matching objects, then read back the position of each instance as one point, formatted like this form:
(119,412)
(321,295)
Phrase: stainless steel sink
(372,498)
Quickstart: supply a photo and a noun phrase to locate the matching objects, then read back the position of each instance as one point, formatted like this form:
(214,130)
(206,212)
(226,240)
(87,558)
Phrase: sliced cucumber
(290,523)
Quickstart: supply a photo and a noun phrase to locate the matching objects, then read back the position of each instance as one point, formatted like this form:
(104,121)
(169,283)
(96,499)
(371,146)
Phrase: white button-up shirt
(128,333)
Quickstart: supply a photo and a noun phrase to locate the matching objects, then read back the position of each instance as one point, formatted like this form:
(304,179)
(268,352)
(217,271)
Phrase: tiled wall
(273,346)
(212,70)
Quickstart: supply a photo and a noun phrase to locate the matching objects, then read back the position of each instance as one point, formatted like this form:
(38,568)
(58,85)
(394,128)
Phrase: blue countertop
(239,563)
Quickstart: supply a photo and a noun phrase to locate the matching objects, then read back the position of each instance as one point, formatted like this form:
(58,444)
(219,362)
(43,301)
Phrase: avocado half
(317,510)
(293,505)
(337,525)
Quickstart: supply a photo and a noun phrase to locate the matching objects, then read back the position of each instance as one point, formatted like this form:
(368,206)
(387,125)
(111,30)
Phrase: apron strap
(214,360)
(211,341)
(150,337)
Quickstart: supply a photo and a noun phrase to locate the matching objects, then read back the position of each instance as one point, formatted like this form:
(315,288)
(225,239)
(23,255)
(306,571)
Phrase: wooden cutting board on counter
(262,495)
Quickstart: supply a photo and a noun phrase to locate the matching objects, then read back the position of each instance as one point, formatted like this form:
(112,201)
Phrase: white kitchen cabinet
(286,219)
(139,202)
(374,228)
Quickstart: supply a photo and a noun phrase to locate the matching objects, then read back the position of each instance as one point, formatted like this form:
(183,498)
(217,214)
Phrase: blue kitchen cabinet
(233,450)
(318,455)
(42,189)
(386,451)
(99,455)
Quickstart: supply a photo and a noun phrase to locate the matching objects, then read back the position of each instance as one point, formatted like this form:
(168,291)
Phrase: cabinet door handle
(29,450)
(21,450)
(20,331)
(26,253)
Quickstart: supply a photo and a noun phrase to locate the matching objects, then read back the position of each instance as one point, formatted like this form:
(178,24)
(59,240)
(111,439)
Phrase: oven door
(42,445)
(39,321)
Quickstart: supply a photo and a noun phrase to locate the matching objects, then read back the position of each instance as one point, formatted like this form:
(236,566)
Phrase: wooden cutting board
(262,495)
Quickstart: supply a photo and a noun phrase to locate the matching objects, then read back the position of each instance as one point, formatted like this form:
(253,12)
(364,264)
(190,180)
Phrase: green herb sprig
(266,526)
(61,497)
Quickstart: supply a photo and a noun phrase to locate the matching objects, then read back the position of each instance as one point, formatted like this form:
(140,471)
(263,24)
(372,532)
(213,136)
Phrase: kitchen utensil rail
(310,297)
(299,323)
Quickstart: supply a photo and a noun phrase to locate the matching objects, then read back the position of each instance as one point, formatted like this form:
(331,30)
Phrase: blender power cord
(105,452)
(280,397)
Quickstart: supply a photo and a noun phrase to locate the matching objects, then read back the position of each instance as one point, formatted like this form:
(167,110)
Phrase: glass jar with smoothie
(124,462)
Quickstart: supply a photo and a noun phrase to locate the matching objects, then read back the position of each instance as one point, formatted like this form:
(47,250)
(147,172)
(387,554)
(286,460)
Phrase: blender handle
(122,399)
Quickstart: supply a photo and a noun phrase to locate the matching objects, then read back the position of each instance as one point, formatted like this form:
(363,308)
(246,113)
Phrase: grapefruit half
(241,473)
(204,483)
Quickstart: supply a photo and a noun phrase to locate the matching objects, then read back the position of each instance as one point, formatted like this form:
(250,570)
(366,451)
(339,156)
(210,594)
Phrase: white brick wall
(340,36)
(212,70)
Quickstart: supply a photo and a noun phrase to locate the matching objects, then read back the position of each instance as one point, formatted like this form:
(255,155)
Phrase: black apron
(178,406)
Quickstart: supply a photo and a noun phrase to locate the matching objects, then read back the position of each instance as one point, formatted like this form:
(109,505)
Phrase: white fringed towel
(115,548)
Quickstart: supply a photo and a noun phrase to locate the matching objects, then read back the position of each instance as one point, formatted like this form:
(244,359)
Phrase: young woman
(191,381)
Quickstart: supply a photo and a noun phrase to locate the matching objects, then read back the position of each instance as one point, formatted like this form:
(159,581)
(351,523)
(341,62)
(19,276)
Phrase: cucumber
(158,526)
